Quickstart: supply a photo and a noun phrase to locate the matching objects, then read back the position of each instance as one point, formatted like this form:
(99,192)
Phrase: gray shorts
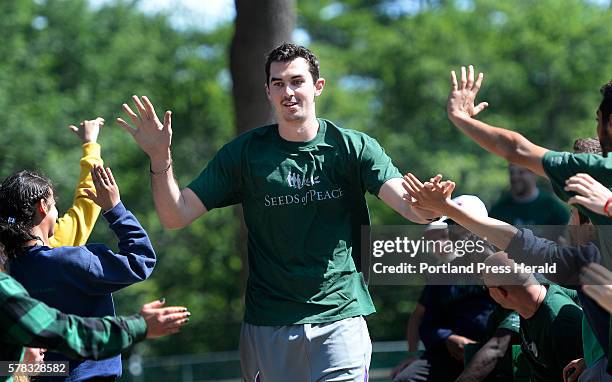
(335,351)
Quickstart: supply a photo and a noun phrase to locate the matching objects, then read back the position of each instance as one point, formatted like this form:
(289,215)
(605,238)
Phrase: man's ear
(503,291)
(267,91)
(319,85)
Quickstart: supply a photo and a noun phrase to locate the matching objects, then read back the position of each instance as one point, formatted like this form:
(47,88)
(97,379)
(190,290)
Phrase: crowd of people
(302,182)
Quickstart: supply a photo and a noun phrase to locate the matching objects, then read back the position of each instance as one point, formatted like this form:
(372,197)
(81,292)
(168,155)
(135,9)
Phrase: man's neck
(535,295)
(298,131)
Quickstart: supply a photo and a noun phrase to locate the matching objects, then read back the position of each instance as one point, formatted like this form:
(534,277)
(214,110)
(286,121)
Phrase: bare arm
(507,144)
(176,208)
(486,358)
(393,193)
(412,329)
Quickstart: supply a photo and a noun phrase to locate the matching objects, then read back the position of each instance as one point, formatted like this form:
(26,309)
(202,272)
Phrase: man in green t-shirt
(301,183)
(558,167)
(526,204)
(550,320)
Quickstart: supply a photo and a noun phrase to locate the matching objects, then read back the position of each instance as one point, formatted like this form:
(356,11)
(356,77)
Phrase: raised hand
(88,130)
(462,96)
(107,192)
(163,321)
(433,195)
(589,193)
(153,136)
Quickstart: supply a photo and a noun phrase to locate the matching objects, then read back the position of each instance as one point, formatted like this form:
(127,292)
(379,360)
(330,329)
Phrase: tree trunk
(260,26)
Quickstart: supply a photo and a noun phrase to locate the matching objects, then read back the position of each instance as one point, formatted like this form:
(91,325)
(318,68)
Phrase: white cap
(471,202)
(436,224)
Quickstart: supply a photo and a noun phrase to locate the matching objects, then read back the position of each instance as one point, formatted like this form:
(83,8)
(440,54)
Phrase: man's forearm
(485,359)
(494,231)
(510,145)
(166,193)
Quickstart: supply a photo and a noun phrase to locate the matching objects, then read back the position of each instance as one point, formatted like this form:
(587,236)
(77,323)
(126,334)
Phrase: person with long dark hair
(77,280)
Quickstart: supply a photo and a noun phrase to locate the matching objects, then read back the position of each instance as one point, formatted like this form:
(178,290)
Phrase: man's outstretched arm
(507,144)
(486,359)
(392,193)
(29,322)
(176,208)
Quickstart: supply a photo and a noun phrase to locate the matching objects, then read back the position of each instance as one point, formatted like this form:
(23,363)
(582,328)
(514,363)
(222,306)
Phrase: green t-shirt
(551,338)
(502,318)
(303,204)
(560,166)
(590,346)
(545,209)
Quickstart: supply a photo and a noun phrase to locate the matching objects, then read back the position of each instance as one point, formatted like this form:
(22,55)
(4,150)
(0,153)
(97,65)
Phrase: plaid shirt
(25,321)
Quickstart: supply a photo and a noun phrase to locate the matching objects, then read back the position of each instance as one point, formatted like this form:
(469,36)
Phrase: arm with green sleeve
(25,321)
(74,228)
(504,326)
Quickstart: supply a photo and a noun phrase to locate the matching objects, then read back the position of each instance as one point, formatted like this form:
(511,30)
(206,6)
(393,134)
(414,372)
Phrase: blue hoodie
(80,280)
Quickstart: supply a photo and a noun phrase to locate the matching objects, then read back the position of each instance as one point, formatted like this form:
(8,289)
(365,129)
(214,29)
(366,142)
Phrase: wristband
(161,172)
(608,207)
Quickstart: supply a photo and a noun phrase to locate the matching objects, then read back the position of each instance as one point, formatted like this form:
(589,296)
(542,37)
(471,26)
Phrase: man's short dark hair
(605,107)
(289,52)
(587,146)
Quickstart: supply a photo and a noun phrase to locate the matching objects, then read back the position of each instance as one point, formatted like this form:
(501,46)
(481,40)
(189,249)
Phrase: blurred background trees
(387,68)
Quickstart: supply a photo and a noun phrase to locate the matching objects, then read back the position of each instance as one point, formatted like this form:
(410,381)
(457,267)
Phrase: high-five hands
(153,136)
(460,103)
(433,195)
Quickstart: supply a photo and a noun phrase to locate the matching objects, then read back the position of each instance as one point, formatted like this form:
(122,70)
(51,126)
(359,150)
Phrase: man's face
(498,295)
(604,132)
(443,241)
(522,181)
(291,90)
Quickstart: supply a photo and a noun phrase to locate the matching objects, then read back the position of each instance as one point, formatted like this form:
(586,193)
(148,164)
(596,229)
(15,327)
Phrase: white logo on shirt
(294,180)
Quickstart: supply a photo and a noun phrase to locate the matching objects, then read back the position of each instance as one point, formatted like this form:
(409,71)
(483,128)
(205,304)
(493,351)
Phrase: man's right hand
(163,321)
(462,96)
(456,344)
(153,137)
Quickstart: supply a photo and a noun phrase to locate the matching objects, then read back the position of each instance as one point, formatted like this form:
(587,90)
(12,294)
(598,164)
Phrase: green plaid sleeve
(25,321)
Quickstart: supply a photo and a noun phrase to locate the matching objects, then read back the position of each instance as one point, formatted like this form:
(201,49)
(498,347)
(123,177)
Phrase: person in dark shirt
(524,247)
(526,204)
